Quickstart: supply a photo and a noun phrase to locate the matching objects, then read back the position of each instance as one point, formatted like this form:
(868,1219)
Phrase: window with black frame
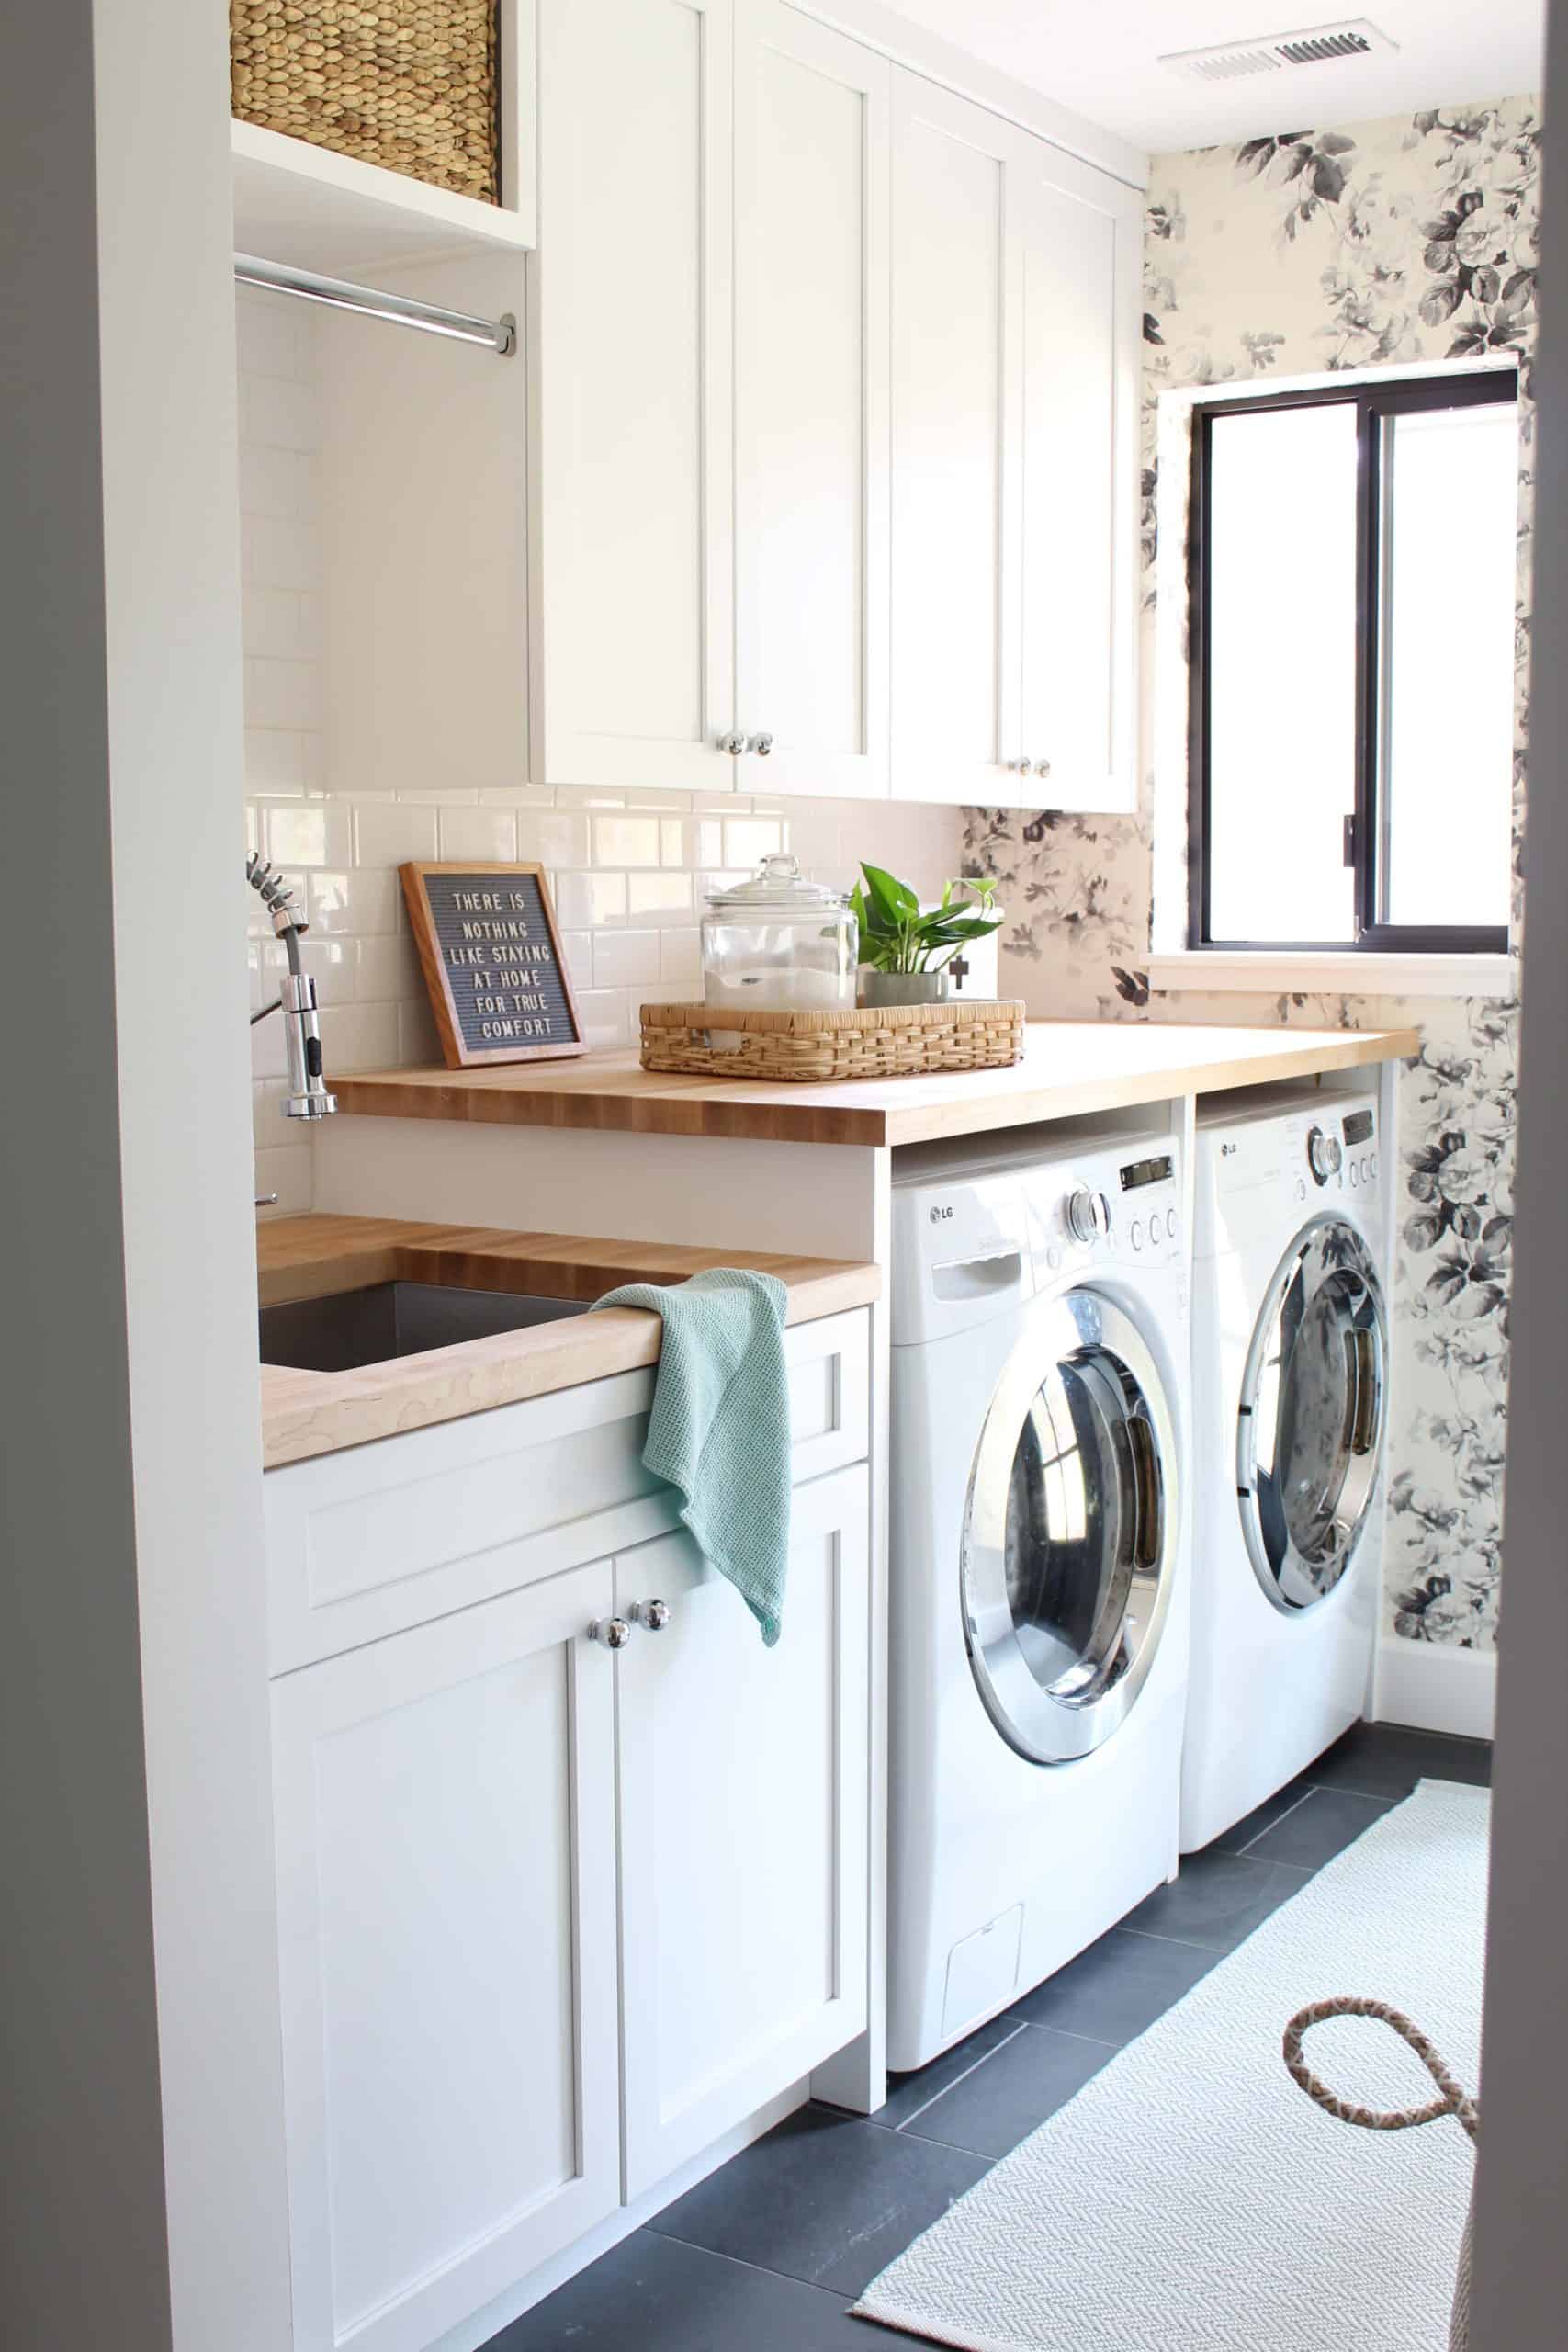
(1353,561)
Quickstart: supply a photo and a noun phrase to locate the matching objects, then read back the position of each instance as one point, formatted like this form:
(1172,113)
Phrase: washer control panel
(1122,1205)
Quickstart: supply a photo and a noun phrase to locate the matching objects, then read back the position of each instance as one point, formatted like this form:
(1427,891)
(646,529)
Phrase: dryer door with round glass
(1310,1428)
(1069,1538)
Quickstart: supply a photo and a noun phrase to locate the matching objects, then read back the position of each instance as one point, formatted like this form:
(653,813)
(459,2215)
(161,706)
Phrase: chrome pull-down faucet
(308,1097)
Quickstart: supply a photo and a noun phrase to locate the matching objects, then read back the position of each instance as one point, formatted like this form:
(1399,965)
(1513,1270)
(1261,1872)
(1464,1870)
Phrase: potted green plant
(905,948)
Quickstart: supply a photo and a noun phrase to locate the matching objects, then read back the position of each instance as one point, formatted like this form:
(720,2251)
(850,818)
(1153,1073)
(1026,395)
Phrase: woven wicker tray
(809,1048)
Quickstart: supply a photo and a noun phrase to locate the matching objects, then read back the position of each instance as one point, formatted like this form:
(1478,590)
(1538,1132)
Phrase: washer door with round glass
(1310,1431)
(1069,1538)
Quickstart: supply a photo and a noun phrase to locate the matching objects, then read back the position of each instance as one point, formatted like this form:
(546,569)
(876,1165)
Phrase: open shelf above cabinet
(317,210)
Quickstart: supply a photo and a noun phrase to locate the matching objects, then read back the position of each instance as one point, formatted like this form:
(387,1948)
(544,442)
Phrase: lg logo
(1229,1150)
(941,1217)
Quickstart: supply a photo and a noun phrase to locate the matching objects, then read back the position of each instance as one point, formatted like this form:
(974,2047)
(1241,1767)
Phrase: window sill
(1260,971)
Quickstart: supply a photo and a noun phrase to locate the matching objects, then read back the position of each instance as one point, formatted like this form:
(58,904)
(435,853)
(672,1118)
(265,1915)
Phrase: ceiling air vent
(1317,45)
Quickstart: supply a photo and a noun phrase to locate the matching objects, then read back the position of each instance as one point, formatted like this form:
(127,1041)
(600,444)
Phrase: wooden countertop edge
(627,1100)
(307,1414)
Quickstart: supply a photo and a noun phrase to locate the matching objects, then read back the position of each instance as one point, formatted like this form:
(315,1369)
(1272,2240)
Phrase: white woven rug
(1190,2198)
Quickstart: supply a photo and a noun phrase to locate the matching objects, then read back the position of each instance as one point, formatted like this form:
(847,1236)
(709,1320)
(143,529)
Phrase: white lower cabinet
(446,1830)
(555,1913)
(743,1830)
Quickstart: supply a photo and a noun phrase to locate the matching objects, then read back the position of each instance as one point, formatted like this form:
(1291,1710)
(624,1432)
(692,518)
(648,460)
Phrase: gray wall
(1521,2294)
(81,2156)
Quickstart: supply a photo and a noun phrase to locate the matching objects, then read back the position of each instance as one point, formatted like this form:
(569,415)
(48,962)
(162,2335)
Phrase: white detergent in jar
(777,944)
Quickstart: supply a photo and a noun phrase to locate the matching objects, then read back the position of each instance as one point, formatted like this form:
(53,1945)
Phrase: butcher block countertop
(1068,1067)
(309,1413)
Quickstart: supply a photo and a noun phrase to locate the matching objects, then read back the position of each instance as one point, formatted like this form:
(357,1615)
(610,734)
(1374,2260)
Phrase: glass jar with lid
(780,944)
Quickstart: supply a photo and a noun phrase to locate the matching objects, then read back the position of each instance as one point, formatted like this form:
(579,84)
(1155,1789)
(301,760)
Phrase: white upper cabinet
(956,459)
(1082,326)
(811,289)
(833,447)
(632,454)
(1015,453)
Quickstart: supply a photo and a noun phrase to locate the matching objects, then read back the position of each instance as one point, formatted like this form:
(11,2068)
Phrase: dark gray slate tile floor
(765,2255)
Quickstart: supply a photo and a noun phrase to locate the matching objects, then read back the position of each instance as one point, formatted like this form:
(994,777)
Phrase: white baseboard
(1434,1688)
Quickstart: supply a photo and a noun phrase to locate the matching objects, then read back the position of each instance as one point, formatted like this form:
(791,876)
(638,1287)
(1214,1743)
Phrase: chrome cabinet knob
(654,1614)
(613,1632)
(761,745)
(733,744)
(1041,767)
(1017,767)
(1088,1214)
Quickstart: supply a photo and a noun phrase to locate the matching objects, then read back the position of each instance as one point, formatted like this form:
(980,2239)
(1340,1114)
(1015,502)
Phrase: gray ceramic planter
(902,988)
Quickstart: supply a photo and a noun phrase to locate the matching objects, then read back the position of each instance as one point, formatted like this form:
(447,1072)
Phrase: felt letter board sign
(493,961)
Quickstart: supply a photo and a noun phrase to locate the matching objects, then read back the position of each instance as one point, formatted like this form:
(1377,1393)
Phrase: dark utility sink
(359,1327)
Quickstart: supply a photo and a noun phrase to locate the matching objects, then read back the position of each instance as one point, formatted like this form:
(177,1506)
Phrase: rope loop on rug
(1454,2100)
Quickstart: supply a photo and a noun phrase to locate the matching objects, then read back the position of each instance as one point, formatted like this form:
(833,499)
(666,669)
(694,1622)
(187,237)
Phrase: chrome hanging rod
(498,336)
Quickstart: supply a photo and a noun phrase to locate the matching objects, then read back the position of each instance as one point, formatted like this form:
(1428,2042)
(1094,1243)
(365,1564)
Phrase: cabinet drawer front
(445,1867)
(743,1797)
(382,1537)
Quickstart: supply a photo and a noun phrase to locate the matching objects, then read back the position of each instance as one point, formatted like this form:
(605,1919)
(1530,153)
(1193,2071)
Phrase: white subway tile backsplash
(388,832)
(487,835)
(360,1036)
(308,833)
(273,483)
(279,550)
(624,960)
(387,969)
(418,1043)
(277,413)
(274,622)
(282,694)
(583,901)
(625,841)
(607,1016)
(665,896)
(269,334)
(356,906)
(553,837)
(681,961)
(748,839)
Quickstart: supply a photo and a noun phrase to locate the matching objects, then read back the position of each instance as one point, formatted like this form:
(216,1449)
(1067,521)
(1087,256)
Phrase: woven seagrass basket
(410,84)
(810,1048)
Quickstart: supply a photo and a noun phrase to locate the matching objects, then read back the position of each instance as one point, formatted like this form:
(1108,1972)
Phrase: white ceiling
(1099,58)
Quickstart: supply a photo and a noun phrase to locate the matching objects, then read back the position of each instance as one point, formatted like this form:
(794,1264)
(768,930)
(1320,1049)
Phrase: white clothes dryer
(1290,1388)
(1038,1593)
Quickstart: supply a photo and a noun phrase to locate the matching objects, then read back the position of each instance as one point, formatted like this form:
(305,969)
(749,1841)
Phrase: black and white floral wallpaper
(1382,244)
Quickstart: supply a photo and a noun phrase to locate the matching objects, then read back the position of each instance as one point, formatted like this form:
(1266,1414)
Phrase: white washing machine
(1039,1595)
(1290,1385)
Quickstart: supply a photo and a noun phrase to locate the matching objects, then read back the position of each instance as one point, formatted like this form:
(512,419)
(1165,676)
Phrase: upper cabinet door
(1081,329)
(811,282)
(956,393)
(632,459)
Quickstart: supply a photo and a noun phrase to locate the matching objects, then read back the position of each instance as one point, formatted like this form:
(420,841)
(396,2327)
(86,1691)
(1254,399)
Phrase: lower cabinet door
(744,1889)
(447,1896)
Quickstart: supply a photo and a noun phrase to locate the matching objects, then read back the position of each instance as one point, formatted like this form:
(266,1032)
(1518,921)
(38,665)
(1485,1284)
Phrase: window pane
(1283,673)
(1451,494)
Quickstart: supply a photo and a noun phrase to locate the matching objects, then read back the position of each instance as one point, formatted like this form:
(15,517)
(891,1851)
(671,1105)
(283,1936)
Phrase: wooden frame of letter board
(459,1054)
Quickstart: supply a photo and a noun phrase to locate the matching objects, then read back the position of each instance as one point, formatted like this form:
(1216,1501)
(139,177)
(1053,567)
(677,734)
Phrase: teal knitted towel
(719,1428)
